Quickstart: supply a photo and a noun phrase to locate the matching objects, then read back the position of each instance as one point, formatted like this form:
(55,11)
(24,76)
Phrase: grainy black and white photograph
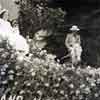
(49,49)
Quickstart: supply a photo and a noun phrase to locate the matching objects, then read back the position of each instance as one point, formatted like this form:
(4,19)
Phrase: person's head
(14,23)
(4,14)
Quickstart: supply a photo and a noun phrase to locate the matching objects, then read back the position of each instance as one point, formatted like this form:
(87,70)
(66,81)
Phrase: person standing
(73,43)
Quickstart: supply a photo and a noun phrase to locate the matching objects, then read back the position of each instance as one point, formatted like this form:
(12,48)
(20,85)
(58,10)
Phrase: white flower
(20,58)
(33,73)
(4,82)
(93,84)
(5,66)
(71,86)
(57,85)
(11,72)
(87,90)
(22,92)
(16,83)
(50,56)
(39,92)
(88,67)
(82,86)
(77,92)
(96,95)
(62,92)
(11,77)
(42,53)
(28,84)
(46,84)
(17,67)
(3,73)
(92,72)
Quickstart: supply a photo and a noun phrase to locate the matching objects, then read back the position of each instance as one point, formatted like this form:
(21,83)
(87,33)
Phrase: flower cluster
(39,77)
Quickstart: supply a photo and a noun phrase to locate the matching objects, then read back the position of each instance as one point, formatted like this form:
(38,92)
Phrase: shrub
(39,77)
(35,15)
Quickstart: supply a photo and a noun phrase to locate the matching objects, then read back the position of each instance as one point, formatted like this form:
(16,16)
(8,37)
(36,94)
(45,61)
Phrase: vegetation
(35,15)
(38,76)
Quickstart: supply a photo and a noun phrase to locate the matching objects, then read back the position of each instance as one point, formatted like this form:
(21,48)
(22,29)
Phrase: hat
(2,11)
(74,28)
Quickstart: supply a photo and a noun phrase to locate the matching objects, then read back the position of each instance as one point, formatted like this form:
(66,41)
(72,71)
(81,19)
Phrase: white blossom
(20,58)
(3,73)
(4,82)
(11,77)
(11,72)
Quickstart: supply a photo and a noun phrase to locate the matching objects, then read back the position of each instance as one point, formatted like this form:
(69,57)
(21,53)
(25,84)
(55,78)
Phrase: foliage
(39,77)
(35,15)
